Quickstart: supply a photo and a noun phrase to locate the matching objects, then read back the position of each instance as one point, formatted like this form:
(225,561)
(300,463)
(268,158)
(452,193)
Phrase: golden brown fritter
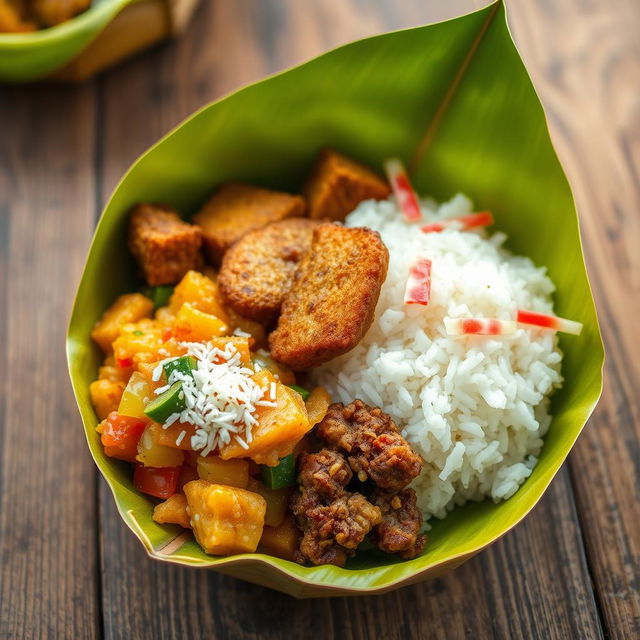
(257,271)
(333,521)
(51,12)
(337,185)
(13,18)
(164,245)
(237,208)
(331,303)
(399,530)
(372,444)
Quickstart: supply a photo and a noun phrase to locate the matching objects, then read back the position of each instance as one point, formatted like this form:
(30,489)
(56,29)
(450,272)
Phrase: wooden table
(68,566)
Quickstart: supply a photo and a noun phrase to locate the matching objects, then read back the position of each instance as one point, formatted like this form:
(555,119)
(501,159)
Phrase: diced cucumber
(184,365)
(283,475)
(167,403)
(160,295)
(303,392)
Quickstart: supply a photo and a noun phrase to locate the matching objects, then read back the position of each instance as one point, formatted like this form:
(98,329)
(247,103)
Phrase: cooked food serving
(20,16)
(362,362)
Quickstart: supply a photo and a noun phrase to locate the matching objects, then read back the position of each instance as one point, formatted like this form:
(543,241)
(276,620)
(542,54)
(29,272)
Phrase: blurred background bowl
(108,32)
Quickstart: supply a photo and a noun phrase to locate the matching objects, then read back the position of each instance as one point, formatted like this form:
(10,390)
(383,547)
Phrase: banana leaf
(29,56)
(454,101)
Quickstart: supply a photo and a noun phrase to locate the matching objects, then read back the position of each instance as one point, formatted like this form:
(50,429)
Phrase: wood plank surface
(589,82)
(69,568)
(48,523)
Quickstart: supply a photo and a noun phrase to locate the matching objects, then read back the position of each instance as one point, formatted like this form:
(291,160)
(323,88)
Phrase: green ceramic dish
(455,101)
(29,56)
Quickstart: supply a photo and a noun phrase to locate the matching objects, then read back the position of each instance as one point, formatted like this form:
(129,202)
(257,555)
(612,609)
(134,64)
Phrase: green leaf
(28,56)
(454,101)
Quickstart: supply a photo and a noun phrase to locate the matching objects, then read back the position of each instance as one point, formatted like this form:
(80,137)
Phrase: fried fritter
(372,444)
(333,521)
(337,185)
(165,246)
(331,303)
(399,530)
(52,12)
(257,271)
(237,208)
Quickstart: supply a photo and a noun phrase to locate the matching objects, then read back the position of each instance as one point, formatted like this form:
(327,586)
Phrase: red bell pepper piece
(120,434)
(124,363)
(160,482)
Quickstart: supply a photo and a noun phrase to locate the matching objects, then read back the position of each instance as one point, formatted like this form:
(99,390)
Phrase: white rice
(475,408)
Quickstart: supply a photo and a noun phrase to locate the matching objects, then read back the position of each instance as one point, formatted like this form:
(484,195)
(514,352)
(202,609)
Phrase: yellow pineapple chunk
(225,520)
(173,511)
(200,292)
(105,396)
(318,404)
(234,473)
(130,307)
(279,428)
(194,325)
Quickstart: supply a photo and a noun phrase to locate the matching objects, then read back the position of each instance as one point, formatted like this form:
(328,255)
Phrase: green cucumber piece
(281,476)
(303,392)
(184,364)
(159,295)
(167,403)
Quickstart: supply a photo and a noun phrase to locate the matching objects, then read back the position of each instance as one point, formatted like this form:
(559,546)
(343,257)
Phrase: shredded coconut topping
(221,397)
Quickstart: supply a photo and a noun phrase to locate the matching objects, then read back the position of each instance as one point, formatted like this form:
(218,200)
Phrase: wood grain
(589,82)
(531,584)
(48,554)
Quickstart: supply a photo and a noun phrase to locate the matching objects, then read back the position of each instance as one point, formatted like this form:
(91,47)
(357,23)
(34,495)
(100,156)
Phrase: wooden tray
(137,27)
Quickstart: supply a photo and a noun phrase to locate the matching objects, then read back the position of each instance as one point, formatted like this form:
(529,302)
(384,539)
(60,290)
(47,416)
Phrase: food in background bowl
(21,16)
(437,343)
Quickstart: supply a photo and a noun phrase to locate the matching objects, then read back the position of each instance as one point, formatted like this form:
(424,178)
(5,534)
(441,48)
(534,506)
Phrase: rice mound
(474,408)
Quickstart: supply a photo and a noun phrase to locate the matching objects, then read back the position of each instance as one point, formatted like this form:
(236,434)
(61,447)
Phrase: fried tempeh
(333,297)
(338,184)
(257,271)
(237,208)
(165,246)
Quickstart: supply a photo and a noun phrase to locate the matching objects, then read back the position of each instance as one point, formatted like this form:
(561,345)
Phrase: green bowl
(25,57)
(454,100)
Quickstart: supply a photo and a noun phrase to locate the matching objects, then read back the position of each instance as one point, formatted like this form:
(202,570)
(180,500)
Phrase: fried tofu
(258,270)
(333,297)
(165,246)
(237,208)
(337,185)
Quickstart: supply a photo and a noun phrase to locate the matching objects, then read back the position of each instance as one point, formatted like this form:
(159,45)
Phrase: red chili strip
(418,289)
(546,321)
(462,223)
(479,326)
(402,189)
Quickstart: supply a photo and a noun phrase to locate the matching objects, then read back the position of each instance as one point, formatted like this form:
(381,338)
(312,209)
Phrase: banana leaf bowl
(29,56)
(454,101)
